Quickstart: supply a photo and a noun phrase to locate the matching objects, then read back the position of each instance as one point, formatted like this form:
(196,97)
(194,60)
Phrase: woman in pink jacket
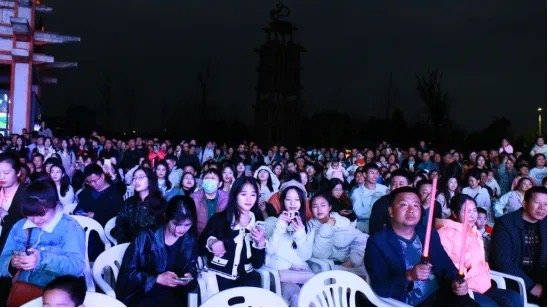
(477,272)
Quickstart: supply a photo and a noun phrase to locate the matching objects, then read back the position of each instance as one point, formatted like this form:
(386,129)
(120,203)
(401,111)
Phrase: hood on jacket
(273,177)
(294,183)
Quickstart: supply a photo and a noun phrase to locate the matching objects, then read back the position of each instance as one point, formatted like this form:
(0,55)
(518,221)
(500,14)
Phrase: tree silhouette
(437,103)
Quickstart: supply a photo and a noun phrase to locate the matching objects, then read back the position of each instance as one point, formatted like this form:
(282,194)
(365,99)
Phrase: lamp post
(539,111)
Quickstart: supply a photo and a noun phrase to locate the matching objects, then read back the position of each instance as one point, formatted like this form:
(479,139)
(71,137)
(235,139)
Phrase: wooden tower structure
(278,107)
(23,67)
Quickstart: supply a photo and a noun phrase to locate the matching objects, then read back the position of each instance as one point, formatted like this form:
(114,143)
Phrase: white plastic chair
(92,299)
(108,227)
(252,297)
(207,280)
(110,258)
(129,192)
(499,279)
(89,225)
(338,289)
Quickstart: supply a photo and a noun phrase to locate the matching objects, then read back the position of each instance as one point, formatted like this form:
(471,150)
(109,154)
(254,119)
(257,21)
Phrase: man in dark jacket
(519,240)
(379,213)
(393,259)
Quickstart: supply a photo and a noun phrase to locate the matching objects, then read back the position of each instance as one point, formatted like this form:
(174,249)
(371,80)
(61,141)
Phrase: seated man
(519,244)
(393,259)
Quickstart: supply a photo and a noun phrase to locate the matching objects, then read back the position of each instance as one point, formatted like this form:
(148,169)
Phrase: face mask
(210,186)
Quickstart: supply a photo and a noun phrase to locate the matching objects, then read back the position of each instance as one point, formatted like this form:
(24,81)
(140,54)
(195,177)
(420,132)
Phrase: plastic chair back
(108,227)
(245,297)
(336,289)
(111,260)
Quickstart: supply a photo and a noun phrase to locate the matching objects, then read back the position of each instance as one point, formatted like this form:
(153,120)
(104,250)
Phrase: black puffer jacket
(146,258)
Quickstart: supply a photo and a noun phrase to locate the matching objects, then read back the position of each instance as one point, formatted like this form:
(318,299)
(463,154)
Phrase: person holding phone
(290,243)
(159,266)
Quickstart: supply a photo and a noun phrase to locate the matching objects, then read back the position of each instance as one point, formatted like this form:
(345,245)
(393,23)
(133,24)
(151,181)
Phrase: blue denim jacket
(62,250)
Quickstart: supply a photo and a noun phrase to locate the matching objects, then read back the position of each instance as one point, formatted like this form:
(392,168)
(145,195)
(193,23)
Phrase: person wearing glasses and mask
(38,249)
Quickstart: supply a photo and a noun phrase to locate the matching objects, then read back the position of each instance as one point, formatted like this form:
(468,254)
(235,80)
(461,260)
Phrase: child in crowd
(484,229)
(64,291)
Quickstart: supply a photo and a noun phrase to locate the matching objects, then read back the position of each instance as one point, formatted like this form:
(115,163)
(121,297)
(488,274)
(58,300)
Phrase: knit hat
(293,183)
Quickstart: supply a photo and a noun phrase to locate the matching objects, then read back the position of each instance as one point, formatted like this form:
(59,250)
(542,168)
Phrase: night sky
(492,53)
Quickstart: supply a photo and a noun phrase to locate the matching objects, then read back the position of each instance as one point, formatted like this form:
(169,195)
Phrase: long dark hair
(268,181)
(232,213)
(181,208)
(456,204)
(65,180)
(153,189)
(191,190)
(302,199)
(168,182)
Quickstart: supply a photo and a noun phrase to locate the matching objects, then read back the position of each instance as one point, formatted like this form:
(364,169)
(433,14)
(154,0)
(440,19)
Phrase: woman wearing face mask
(156,259)
(142,211)
(289,243)
(476,271)
(210,199)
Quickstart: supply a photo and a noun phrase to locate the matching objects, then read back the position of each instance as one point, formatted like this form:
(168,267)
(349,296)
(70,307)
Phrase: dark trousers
(252,279)
(446,298)
(499,297)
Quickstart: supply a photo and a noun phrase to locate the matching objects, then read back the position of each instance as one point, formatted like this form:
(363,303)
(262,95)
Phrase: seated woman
(290,244)
(336,238)
(339,200)
(38,248)
(232,243)
(144,210)
(477,276)
(161,171)
(62,183)
(513,200)
(159,266)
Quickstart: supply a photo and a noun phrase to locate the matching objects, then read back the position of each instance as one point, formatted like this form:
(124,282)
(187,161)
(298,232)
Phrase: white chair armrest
(265,278)
(324,264)
(192,300)
(519,280)
(90,285)
(393,302)
(276,276)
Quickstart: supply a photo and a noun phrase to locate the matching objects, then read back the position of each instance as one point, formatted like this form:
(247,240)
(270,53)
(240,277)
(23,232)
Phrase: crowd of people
(250,206)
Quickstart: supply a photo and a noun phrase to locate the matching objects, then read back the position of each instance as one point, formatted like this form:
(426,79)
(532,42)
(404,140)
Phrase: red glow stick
(430,219)
(463,241)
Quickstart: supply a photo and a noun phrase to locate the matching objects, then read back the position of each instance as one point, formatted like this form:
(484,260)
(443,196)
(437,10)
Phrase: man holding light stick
(394,258)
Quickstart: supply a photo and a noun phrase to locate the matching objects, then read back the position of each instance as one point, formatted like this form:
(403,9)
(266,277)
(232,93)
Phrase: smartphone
(292,214)
(107,162)
(259,224)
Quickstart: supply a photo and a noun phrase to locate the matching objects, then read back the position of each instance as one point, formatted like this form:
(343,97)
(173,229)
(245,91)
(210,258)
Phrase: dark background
(149,52)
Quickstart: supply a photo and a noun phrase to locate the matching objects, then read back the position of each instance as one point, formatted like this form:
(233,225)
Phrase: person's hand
(218,248)
(16,261)
(345,212)
(460,288)
(184,283)
(285,217)
(537,290)
(29,262)
(331,221)
(258,235)
(90,214)
(419,272)
(168,279)
(297,224)
(348,263)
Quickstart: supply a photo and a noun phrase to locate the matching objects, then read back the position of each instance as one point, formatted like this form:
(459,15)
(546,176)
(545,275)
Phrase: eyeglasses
(138,178)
